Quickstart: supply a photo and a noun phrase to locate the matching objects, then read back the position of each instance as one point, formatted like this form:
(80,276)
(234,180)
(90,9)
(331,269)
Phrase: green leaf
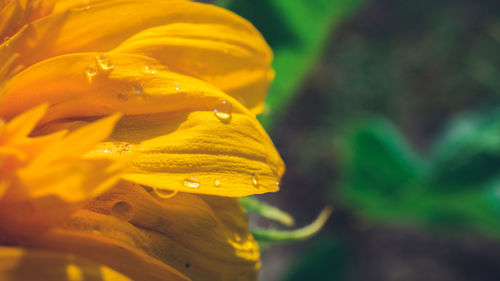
(385,181)
(382,175)
(297,31)
(468,153)
(378,158)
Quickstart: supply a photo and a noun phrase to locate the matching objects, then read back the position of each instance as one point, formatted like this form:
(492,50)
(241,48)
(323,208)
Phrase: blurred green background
(390,111)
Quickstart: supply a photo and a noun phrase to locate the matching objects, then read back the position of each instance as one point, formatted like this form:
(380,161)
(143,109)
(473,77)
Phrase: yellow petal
(15,13)
(218,54)
(21,126)
(195,152)
(170,126)
(205,238)
(44,179)
(90,30)
(16,148)
(64,5)
(78,142)
(18,264)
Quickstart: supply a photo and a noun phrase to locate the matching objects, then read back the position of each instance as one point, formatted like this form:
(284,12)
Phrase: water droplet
(91,72)
(165,193)
(139,88)
(96,229)
(122,210)
(223,110)
(122,96)
(217,182)
(176,86)
(276,174)
(191,182)
(85,4)
(149,69)
(255,179)
(104,62)
(124,149)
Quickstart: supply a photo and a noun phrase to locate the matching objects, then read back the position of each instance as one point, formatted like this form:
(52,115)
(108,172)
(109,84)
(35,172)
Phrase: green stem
(282,236)
(265,210)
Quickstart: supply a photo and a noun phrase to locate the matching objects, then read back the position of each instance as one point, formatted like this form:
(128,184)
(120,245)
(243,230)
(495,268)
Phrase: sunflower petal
(169,126)
(17,264)
(205,238)
(21,126)
(195,152)
(36,193)
(240,57)
(218,54)
(16,13)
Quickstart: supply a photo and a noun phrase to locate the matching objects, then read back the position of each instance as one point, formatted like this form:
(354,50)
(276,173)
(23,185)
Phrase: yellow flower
(188,79)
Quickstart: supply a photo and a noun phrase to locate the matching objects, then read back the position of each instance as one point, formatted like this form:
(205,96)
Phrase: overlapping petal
(44,179)
(214,45)
(138,233)
(169,125)
(16,13)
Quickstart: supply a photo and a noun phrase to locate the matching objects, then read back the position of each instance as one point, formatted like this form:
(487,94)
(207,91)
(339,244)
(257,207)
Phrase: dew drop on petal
(104,63)
(125,149)
(90,72)
(122,210)
(149,69)
(223,110)
(96,229)
(85,4)
(191,182)
(139,88)
(176,86)
(276,174)
(255,179)
(165,193)
(217,182)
